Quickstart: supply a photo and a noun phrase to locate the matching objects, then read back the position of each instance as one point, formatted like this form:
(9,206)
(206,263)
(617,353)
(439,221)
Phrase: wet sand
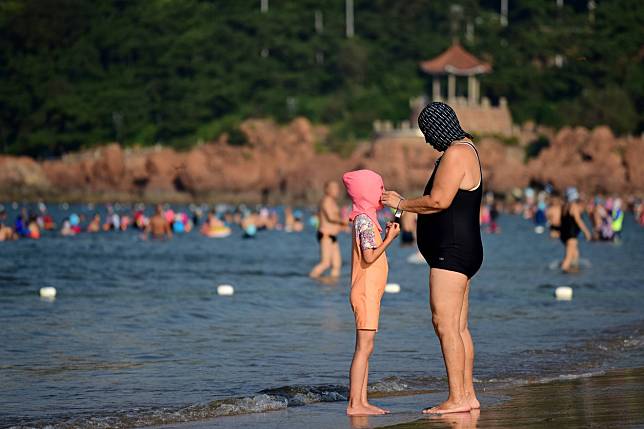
(615,399)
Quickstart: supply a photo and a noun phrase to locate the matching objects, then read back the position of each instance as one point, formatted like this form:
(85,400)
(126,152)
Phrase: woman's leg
(468,344)
(446,292)
(575,253)
(571,255)
(364,348)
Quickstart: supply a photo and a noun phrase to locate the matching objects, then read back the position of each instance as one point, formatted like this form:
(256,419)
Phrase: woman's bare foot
(364,410)
(473,401)
(376,408)
(449,407)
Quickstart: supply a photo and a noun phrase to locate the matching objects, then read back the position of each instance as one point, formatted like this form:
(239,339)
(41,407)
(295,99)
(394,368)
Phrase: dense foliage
(75,73)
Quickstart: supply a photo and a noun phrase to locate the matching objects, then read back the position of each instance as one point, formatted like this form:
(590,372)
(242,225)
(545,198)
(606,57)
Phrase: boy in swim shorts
(368,279)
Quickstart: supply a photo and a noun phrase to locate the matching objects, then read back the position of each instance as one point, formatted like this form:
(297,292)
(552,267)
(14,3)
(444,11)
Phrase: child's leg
(365,387)
(359,366)
(365,384)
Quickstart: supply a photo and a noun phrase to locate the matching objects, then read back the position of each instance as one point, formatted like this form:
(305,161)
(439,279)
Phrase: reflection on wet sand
(467,420)
(615,399)
(359,422)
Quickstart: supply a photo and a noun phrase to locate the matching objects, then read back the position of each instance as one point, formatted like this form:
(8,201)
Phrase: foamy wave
(140,417)
(634,343)
(266,400)
(389,384)
(303,395)
(254,404)
(567,377)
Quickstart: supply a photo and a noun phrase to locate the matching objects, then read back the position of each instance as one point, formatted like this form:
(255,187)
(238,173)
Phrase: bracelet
(399,201)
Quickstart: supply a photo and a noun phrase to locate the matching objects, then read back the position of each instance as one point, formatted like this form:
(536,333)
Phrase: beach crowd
(542,208)
(164,222)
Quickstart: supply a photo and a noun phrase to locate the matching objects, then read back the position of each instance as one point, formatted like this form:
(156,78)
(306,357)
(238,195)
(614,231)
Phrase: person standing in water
(158,226)
(369,271)
(617,219)
(571,225)
(553,215)
(449,238)
(331,225)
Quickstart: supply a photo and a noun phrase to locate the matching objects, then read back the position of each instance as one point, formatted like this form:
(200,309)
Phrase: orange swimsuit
(367,283)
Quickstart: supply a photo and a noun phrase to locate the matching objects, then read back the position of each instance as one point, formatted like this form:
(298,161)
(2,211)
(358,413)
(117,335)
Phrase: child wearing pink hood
(368,279)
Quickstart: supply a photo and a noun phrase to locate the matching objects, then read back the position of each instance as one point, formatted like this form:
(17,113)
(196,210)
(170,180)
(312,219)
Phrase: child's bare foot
(473,401)
(376,408)
(449,406)
(364,410)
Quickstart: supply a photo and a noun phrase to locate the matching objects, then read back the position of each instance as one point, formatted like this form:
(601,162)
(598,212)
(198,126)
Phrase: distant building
(476,113)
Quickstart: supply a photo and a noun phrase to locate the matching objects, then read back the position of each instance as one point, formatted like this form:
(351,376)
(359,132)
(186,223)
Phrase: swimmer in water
(571,225)
(66,230)
(298,224)
(6,232)
(289,219)
(158,226)
(95,224)
(33,227)
(330,226)
(369,270)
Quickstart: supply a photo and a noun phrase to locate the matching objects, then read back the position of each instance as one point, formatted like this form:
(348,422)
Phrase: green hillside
(74,73)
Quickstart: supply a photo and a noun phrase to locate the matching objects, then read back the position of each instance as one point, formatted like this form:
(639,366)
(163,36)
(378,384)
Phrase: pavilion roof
(455,60)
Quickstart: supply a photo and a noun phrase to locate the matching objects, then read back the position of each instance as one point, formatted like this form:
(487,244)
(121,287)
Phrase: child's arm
(371,255)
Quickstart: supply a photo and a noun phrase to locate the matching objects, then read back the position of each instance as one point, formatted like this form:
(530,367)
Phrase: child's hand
(393,229)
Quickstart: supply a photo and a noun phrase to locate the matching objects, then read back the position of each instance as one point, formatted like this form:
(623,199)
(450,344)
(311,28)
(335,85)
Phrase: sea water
(137,334)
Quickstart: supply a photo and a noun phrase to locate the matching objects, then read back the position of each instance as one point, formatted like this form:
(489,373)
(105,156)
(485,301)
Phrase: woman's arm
(446,183)
(371,255)
(576,214)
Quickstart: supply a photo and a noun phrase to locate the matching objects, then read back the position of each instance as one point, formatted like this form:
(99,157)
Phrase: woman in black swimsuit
(571,225)
(449,237)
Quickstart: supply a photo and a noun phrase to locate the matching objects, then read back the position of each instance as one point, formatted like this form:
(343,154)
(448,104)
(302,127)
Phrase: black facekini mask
(440,126)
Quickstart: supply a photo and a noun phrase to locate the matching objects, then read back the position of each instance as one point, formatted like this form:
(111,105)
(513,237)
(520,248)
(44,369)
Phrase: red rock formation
(21,173)
(634,163)
(108,169)
(503,167)
(282,161)
(592,161)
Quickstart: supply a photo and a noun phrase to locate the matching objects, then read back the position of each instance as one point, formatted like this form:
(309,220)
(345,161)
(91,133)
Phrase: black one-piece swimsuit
(451,239)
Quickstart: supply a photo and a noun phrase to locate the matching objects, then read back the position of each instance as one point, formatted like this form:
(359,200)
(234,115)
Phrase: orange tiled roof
(455,60)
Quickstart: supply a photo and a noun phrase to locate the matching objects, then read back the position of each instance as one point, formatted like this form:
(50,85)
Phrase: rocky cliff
(285,163)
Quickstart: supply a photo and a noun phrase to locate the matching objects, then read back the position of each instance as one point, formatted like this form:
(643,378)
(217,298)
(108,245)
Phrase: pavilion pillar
(436,88)
(472,90)
(477,87)
(451,88)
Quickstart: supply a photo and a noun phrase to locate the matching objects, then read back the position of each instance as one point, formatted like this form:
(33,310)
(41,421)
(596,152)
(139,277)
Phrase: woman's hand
(390,199)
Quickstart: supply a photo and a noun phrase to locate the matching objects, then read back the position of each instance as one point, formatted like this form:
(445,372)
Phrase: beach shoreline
(612,399)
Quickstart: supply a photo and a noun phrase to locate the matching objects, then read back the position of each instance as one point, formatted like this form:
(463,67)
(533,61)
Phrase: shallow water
(138,335)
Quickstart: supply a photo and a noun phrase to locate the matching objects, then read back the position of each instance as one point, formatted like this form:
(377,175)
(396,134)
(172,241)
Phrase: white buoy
(563,293)
(48,292)
(392,288)
(539,229)
(225,290)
